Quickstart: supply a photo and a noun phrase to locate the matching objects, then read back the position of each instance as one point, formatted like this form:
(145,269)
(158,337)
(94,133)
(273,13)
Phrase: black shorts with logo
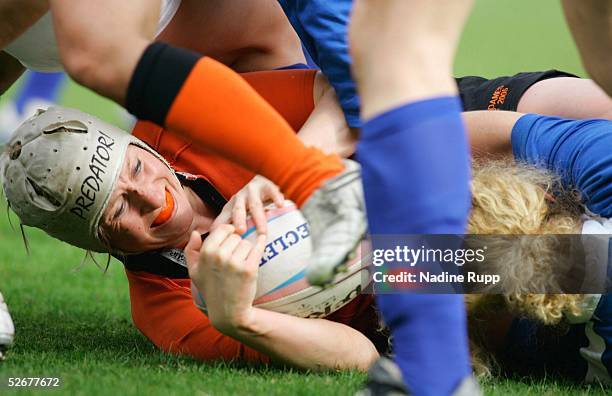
(502,93)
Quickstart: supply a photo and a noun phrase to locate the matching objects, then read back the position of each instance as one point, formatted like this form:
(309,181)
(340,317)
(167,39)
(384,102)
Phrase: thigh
(566,97)
(507,92)
(100,42)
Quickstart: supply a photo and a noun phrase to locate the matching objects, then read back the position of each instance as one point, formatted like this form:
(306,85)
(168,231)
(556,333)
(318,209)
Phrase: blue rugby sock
(415,167)
(45,86)
(429,340)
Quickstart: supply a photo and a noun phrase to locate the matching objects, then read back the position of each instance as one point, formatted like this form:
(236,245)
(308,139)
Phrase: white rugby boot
(337,218)
(7,329)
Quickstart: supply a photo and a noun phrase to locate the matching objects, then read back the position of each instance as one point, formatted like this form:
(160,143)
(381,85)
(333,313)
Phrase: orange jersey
(162,307)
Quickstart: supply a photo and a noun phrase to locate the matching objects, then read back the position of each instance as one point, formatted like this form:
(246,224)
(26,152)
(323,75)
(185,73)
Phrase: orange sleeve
(163,310)
(290,92)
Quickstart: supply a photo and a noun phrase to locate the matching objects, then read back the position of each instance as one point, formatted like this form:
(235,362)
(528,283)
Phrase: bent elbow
(89,68)
(370,356)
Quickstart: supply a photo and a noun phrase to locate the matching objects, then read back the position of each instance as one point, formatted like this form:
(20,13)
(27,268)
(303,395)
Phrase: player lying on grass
(565,335)
(118,34)
(119,194)
(244,35)
(116,40)
(131,208)
(161,303)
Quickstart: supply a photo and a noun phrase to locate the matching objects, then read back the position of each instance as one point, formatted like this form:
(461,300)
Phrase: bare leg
(566,97)
(389,74)
(100,42)
(490,133)
(591,24)
(415,171)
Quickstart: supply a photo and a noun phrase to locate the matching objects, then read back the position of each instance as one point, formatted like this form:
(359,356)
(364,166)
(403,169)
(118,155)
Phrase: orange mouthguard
(166,212)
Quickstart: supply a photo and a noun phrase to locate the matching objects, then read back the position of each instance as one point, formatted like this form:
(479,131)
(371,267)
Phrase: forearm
(590,22)
(10,70)
(490,133)
(313,344)
(224,269)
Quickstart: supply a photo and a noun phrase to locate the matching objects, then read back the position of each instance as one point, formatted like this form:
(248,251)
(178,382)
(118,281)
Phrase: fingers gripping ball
(281,284)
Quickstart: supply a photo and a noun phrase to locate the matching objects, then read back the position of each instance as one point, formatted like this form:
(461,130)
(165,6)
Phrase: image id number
(33,382)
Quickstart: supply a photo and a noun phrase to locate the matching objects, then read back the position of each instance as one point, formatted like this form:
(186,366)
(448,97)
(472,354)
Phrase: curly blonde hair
(518,199)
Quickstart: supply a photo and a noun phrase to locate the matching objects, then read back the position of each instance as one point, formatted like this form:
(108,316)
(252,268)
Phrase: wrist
(243,324)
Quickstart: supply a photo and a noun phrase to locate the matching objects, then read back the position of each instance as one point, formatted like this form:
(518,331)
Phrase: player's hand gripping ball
(280,283)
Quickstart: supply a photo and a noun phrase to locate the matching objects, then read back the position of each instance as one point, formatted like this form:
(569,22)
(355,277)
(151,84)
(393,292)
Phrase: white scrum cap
(59,169)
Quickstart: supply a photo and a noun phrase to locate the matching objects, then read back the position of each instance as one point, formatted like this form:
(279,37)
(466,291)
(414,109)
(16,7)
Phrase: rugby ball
(281,283)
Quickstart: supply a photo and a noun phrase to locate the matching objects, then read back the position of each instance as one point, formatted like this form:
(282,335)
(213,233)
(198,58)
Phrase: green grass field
(73,321)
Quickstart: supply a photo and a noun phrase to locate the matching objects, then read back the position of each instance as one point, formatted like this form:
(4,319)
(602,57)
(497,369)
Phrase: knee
(80,65)
(89,62)
(102,65)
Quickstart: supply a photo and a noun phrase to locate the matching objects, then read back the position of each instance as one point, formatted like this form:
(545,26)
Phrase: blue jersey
(580,151)
(582,351)
(323,28)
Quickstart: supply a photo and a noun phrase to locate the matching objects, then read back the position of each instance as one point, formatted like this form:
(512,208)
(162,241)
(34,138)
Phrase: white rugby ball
(281,283)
